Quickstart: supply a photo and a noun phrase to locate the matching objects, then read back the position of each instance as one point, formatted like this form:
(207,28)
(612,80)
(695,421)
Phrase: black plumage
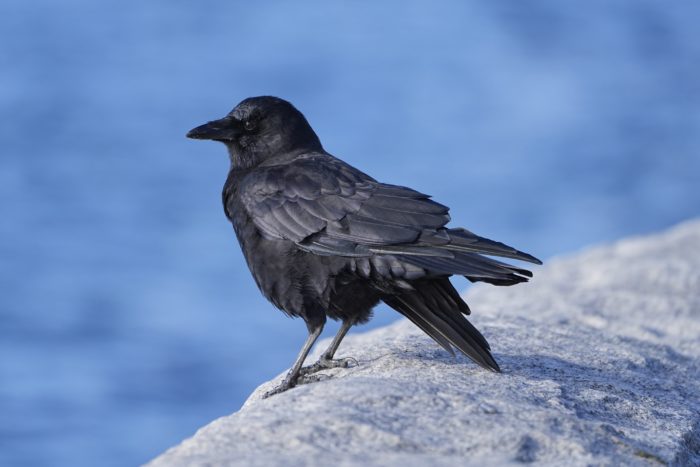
(323,239)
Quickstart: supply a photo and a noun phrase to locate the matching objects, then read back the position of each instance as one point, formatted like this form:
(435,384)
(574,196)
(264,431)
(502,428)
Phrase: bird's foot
(325,363)
(306,375)
(288,382)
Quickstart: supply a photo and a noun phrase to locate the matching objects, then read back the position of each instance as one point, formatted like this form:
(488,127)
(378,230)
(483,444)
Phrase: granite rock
(600,359)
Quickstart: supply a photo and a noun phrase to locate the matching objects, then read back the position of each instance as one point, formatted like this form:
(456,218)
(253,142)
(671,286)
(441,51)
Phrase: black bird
(323,239)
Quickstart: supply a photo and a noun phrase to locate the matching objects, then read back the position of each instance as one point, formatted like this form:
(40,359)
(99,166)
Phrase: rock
(600,358)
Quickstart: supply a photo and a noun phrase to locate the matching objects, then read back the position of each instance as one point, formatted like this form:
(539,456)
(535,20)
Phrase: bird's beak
(225,129)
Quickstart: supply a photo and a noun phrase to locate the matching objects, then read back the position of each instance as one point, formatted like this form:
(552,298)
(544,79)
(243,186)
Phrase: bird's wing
(327,205)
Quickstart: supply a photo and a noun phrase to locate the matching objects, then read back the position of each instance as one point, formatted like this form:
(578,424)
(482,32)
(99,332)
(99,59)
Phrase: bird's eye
(249,125)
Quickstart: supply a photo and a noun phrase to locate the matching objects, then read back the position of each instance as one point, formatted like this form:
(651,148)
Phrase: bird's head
(260,128)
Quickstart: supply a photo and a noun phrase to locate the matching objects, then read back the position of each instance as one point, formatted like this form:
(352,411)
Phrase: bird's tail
(436,307)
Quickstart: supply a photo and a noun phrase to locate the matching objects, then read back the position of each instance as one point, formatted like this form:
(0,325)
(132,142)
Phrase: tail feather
(404,307)
(431,306)
(448,292)
(444,309)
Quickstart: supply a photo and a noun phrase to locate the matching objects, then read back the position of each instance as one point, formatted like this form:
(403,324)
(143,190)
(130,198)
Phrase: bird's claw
(328,363)
(287,383)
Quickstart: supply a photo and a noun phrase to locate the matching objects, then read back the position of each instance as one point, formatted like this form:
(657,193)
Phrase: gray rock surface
(600,358)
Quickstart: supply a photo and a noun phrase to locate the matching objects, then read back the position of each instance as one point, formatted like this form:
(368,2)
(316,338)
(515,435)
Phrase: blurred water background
(127,316)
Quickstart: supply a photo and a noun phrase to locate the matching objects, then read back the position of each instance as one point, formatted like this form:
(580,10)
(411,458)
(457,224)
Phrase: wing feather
(330,208)
(321,195)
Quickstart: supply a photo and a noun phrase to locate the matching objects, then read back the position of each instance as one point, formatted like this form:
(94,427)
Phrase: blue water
(127,316)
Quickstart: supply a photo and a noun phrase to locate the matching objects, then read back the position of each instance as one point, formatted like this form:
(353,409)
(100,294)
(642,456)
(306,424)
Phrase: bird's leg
(326,361)
(291,379)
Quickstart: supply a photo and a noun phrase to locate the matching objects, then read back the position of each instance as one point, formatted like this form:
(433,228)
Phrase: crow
(323,239)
